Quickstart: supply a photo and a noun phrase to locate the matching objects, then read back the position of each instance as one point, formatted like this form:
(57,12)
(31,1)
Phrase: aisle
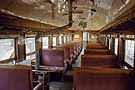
(67,83)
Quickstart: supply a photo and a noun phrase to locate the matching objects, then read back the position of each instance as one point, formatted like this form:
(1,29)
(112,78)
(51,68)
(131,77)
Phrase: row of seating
(58,58)
(20,77)
(100,70)
(97,55)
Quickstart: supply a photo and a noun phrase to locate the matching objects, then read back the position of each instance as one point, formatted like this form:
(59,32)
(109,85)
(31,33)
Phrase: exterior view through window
(54,41)
(30,45)
(129,52)
(116,46)
(109,44)
(60,40)
(45,42)
(30,48)
(68,38)
(64,39)
(6,49)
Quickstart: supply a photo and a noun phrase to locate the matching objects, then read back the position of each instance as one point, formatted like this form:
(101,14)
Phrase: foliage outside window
(7,50)
(129,52)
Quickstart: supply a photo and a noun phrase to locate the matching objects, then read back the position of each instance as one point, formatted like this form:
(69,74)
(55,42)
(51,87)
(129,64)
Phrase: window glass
(54,41)
(68,38)
(64,39)
(30,57)
(7,50)
(116,46)
(76,36)
(30,45)
(45,42)
(109,44)
(129,52)
(60,40)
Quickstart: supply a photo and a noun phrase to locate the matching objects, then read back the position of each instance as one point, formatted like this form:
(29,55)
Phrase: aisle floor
(67,83)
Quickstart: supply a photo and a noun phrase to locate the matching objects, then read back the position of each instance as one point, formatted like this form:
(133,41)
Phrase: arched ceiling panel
(96,13)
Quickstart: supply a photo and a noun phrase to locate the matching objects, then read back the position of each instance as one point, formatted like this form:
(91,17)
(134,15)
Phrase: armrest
(39,71)
(38,86)
(44,69)
(66,61)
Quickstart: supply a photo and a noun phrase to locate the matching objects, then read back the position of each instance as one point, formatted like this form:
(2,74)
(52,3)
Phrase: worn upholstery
(103,79)
(71,50)
(97,51)
(99,61)
(15,77)
(53,59)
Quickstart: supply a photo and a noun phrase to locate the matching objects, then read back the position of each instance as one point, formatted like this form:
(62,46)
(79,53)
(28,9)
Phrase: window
(30,45)
(68,38)
(30,48)
(116,46)
(129,52)
(64,39)
(45,42)
(76,36)
(7,50)
(31,57)
(54,41)
(109,44)
(60,40)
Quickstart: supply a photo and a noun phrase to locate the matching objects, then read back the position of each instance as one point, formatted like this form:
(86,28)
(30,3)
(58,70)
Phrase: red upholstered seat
(71,50)
(99,61)
(103,79)
(97,51)
(15,77)
(53,58)
(94,46)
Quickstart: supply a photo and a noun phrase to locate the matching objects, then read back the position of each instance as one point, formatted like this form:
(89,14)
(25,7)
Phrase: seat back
(99,61)
(97,51)
(103,79)
(15,77)
(66,48)
(95,47)
(52,57)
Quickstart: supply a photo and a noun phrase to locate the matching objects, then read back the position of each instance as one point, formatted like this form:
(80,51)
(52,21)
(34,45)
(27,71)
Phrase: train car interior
(67,44)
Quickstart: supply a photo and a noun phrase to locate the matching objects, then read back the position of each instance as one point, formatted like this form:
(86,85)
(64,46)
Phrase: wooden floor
(67,83)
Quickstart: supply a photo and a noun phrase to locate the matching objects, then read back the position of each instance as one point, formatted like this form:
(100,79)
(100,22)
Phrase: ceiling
(96,13)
